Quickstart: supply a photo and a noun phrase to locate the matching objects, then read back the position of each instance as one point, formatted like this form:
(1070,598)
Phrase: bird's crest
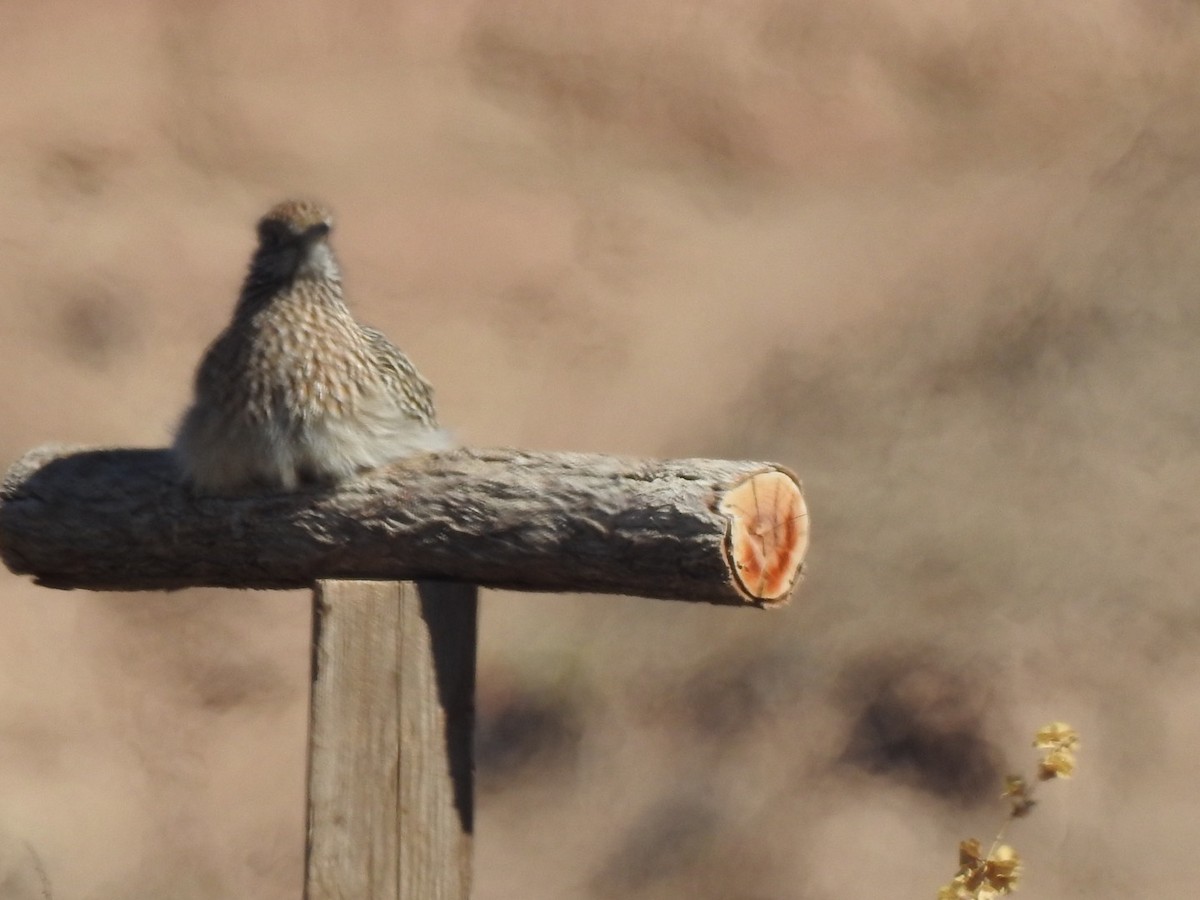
(299,215)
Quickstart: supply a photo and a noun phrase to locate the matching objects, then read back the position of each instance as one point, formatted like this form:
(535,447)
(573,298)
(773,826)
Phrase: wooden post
(389,797)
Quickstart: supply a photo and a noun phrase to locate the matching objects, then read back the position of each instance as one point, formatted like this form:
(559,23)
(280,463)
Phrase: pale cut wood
(120,520)
(768,535)
(390,794)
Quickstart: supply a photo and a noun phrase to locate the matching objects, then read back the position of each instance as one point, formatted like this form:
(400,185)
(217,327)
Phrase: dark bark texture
(121,520)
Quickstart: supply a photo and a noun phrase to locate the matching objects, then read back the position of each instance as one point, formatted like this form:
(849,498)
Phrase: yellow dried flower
(995,875)
(980,877)
(1014,786)
(1056,764)
(970,853)
(956,889)
(1016,791)
(1002,869)
(1060,741)
(1056,736)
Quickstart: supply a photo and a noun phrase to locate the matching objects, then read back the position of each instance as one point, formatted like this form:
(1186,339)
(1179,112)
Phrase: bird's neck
(317,285)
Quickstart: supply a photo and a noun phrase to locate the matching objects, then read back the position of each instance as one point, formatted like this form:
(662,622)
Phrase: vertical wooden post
(390,770)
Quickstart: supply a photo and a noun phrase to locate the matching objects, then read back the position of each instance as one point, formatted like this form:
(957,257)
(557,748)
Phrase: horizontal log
(706,530)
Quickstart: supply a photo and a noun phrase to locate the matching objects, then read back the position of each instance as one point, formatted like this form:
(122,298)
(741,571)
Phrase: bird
(294,392)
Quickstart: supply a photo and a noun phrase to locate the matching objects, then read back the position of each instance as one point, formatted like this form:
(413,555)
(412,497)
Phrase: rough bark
(389,798)
(676,529)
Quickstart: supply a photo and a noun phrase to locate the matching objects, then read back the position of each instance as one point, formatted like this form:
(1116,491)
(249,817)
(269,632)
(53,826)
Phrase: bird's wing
(403,377)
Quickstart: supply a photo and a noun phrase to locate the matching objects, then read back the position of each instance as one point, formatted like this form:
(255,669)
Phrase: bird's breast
(306,363)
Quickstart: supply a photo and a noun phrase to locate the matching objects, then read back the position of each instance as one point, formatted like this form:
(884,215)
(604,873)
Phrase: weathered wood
(389,802)
(120,520)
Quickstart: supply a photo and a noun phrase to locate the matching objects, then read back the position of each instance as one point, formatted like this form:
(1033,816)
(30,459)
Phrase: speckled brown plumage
(294,390)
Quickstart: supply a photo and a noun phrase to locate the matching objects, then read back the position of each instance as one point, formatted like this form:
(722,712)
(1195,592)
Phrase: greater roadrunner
(294,391)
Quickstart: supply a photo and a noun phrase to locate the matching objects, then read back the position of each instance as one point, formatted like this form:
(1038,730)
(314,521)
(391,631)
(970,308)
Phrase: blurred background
(938,257)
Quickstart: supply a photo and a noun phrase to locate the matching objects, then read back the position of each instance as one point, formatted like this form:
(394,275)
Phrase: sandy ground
(939,257)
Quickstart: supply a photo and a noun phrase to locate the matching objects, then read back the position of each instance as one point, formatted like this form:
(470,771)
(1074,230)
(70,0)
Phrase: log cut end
(767,536)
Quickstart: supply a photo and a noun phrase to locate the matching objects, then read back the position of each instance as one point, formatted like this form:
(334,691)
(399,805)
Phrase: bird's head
(293,242)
